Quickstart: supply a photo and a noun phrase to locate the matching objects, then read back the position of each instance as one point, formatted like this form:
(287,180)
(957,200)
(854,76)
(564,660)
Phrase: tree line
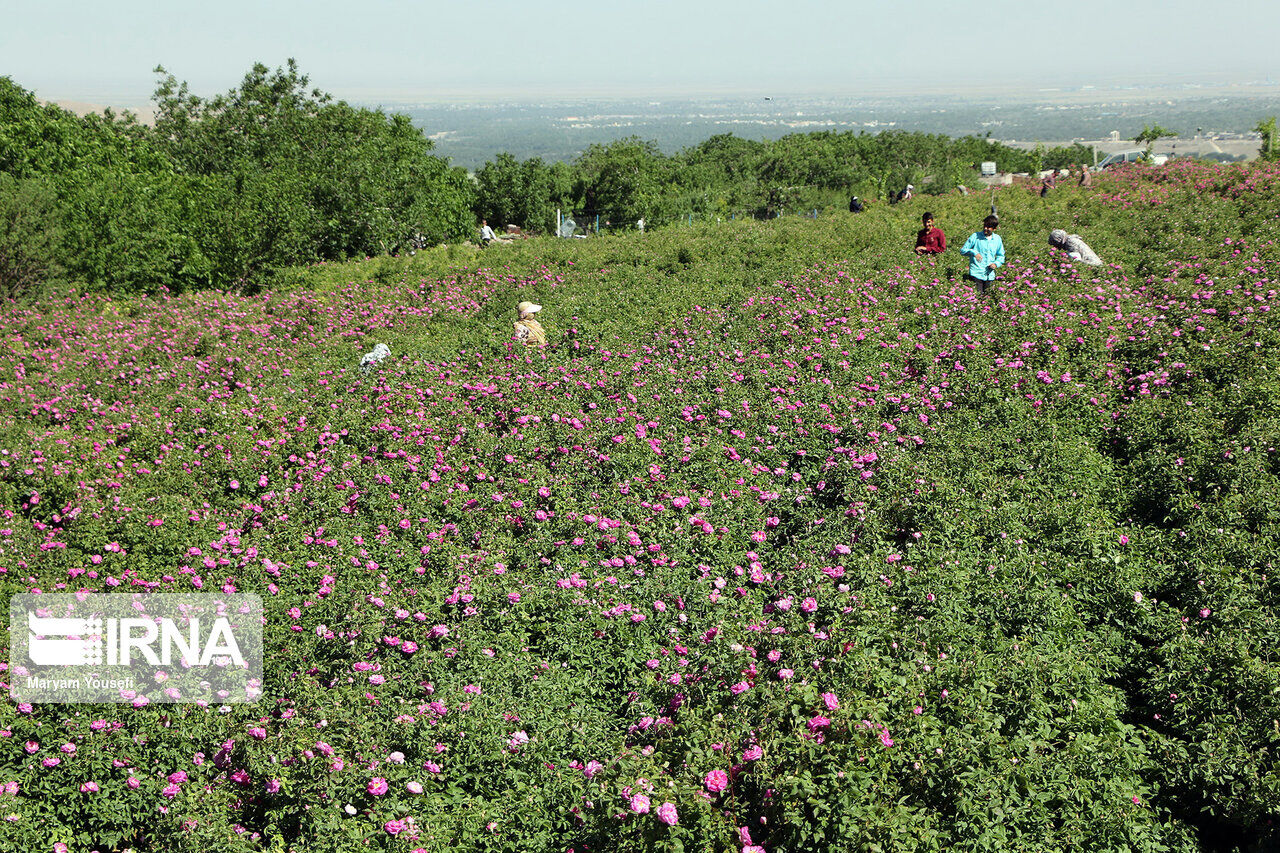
(221,191)
(218,191)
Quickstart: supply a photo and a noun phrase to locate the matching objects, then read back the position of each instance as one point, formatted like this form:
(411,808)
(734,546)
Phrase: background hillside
(224,192)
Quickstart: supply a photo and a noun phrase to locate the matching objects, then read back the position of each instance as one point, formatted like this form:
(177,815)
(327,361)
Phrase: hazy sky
(385,50)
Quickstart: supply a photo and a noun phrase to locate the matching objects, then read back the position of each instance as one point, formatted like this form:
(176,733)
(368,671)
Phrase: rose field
(788,541)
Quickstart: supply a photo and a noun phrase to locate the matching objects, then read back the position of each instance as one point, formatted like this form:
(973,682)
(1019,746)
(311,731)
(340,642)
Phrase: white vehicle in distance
(1133,155)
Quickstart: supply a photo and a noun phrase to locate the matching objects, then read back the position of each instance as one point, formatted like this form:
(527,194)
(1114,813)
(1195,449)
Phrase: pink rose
(667,814)
(377,786)
(818,722)
(716,781)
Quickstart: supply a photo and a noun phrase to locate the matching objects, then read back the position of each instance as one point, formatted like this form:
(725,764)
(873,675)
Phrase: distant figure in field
(1075,247)
(985,251)
(856,205)
(488,236)
(1086,177)
(528,330)
(930,240)
(1047,183)
(372,359)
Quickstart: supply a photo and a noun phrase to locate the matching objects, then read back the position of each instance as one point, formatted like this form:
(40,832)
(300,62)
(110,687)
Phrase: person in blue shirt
(985,251)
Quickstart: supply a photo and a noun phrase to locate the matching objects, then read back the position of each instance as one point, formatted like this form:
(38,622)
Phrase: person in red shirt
(1047,183)
(930,240)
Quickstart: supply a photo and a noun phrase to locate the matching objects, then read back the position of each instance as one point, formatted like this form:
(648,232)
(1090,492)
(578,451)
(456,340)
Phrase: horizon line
(884,88)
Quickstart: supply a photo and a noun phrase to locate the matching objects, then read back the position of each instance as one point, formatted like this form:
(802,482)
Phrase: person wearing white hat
(1075,247)
(528,330)
(370,360)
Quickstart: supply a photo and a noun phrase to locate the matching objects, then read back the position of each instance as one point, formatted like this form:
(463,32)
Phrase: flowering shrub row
(789,541)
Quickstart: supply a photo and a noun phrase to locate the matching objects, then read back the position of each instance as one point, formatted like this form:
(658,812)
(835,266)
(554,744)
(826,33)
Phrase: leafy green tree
(622,181)
(1148,137)
(717,177)
(316,179)
(823,159)
(543,191)
(43,139)
(947,175)
(1037,159)
(524,194)
(30,230)
(440,208)
(1068,158)
(113,190)
(500,190)
(271,173)
(34,139)
(1268,150)
(131,231)
(726,157)
(974,150)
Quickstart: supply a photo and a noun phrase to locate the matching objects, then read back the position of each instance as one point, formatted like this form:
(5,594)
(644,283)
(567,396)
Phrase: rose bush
(797,545)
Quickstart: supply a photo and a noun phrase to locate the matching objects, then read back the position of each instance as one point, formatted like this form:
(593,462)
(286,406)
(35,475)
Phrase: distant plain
(1212,118)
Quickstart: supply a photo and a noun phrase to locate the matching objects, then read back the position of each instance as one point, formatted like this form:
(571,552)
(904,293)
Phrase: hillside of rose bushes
(788,541)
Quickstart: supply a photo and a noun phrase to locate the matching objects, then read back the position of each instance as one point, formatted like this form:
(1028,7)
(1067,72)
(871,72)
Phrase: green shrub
(30,232)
